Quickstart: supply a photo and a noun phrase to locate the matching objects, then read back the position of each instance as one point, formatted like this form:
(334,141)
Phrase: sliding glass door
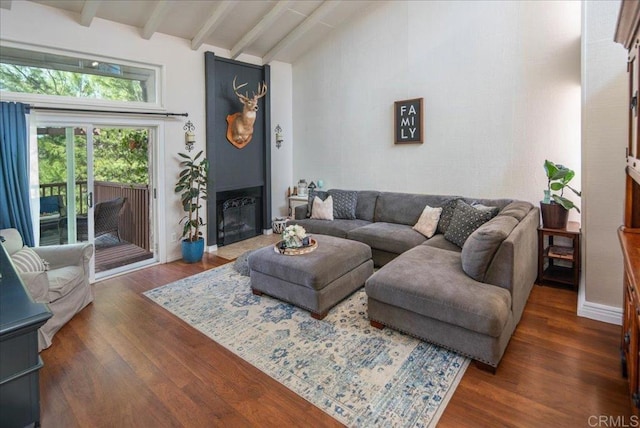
(95,185)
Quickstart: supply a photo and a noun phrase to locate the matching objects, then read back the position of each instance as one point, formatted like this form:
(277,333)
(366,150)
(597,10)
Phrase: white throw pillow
(428,221)
(26,260)
(322,210)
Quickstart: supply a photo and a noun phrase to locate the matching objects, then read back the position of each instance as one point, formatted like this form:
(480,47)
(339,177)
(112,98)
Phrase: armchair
(64,287)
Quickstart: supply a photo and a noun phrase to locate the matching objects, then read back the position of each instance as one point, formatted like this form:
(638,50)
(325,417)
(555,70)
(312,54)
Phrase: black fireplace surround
(238,214)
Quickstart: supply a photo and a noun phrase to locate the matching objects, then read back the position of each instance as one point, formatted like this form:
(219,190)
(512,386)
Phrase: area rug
(361,376)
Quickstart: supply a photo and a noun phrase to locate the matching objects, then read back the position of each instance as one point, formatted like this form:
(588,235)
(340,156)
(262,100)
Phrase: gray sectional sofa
(469,298)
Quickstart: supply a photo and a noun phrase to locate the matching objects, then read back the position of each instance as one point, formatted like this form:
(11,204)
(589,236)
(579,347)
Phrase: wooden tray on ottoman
(296,251)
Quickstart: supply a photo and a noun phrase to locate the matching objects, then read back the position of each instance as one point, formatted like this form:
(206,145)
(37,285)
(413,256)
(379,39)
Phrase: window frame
(60,100)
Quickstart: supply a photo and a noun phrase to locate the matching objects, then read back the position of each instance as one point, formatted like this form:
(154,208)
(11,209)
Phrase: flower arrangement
(295,236)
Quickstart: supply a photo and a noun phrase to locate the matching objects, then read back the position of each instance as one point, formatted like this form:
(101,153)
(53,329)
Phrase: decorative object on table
(320,183)
(555,207)
(278,224)
(192,186)
(294,236)
(189,135)
(302,187)
(408,121)
(240,125)
(311,187)
(279,138)
(310,246)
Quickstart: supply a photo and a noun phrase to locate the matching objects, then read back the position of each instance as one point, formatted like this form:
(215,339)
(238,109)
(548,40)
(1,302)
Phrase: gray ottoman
(315,281)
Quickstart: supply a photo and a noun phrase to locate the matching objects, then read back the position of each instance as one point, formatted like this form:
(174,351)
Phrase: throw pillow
(445,217)
(493,210)
(312,194)
(428,221)
(322,210)
(465,220)
(344,203)
(479,249)
(26,260)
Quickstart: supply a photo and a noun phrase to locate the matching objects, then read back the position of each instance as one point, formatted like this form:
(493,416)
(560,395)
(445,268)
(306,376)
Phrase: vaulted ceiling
(272,30)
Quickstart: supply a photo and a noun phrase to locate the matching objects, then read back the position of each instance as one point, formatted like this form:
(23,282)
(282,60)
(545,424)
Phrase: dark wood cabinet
(20,319)
(559,261)
(629,233)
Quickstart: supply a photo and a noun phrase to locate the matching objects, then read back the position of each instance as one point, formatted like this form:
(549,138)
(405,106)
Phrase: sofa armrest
(66,255)
(300,212)
(515,264)
(37,284)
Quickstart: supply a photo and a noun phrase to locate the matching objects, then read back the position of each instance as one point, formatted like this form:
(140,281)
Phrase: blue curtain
(14,170)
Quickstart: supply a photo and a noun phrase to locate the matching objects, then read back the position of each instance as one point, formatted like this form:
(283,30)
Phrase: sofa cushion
(26,260)
(390,237)
(430,282)
(517,209)
(312,194)
(338,228)
(479,249)
(438,241)
(365,210)
(404,208)
(322,210)
(344,203)
(465,220)
(63,280)
(428,221)
(448,208)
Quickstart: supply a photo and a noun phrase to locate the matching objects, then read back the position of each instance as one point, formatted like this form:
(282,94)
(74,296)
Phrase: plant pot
(192,251)
(554,216)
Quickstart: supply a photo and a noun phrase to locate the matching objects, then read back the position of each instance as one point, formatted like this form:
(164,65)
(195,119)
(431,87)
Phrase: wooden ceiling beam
(89,10)
(155,19)
(301,29)
(209,27)
(265,23)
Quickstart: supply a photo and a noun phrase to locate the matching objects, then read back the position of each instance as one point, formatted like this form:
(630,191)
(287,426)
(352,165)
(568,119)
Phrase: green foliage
(192,186)
(558,178)
(32,80)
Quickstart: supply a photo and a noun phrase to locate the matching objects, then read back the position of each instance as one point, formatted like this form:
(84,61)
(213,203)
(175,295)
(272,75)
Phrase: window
(25,71)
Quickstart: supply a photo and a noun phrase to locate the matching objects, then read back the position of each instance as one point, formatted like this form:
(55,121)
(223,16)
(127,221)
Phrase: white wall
(605,104)
(184,89)
(501,89)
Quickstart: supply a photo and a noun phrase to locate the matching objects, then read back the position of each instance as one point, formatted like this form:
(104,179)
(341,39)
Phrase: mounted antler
(240,125)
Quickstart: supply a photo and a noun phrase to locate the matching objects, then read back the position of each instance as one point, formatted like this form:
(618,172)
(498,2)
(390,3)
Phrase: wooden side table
(559,264)
(295,201)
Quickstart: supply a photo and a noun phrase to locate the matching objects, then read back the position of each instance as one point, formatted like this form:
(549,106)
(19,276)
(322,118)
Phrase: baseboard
(597,311)
(267,231)
(211,248)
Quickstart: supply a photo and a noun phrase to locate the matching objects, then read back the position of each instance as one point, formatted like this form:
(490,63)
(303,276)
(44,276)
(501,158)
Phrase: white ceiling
(272,30)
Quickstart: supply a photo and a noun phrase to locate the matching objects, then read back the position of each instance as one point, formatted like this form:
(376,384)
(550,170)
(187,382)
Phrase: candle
(191,137)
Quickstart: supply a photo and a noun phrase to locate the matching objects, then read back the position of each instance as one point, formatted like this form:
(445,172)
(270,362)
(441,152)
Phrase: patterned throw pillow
(428,221)
(445,217)
(312,194)
(493,210)
(26,260)
(344,203)
(322,210)
(465,220)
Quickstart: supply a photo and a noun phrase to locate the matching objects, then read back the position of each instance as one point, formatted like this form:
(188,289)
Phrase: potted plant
(555,207)
(192,186)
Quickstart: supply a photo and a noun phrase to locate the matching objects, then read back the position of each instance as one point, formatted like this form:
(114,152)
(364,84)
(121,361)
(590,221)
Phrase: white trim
(210,249)
(597,311)
(55,100)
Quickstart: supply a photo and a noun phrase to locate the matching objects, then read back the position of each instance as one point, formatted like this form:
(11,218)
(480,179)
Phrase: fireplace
(238,215)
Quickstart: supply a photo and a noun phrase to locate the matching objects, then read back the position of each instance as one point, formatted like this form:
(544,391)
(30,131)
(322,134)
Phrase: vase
(554,216)
(192,251)
(547,197)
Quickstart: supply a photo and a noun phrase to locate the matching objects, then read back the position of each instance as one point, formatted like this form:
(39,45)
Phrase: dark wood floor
(126,362)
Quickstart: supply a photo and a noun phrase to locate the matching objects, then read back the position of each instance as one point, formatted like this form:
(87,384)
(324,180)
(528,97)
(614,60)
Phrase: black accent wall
(234,169)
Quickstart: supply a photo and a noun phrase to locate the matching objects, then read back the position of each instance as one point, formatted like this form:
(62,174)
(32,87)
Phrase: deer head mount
(240,125)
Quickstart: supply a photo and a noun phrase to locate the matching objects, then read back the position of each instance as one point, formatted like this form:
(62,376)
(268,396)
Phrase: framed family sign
(408,121)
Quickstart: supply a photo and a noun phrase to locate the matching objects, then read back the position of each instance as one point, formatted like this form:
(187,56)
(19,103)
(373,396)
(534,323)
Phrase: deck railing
(134,223)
